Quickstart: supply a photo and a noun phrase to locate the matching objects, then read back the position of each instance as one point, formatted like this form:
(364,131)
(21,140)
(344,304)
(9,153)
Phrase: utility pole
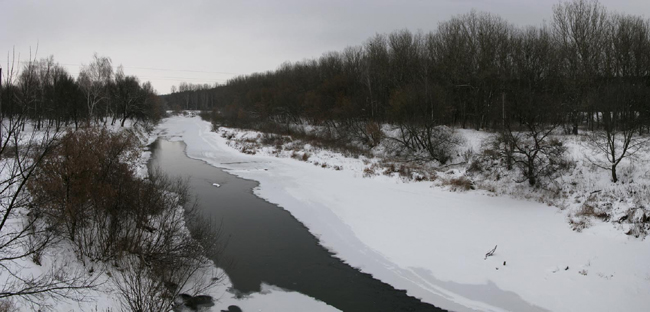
(503,109)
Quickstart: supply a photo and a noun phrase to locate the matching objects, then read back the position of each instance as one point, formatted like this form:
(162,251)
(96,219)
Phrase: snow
(105,296)
(271,298)
(432,242)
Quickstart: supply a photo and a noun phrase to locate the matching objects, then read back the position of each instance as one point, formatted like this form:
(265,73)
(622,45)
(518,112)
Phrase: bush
(88,192)
(537,157)
(589,209)
(206,115)
(87,182)
(368,133)
(369,171)
(437,143)
(374,133)
(405,172)
(7,306)
(461,183)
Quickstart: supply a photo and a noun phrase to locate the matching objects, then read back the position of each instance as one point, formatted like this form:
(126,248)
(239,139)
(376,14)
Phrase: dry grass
(405,172)
(589,209)
(459,184)
(579,224)
(7,306)
(369,171)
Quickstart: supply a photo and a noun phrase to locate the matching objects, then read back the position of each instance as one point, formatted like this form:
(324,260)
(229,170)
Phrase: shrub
(405,172)
(88,192)
(390,169)
(374,133)
(206,115)
(369,172)
(537,157)
(369,133)
(7,306)
(475,166)
(272,139)
(589,209)
(88,181)
(437,143)
(461,183)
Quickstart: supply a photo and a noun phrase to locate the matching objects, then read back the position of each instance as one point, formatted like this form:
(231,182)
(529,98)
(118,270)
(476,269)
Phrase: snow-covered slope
(432,242)
(105,296)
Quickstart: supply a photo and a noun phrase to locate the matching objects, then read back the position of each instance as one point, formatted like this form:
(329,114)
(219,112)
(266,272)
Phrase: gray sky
(211,41)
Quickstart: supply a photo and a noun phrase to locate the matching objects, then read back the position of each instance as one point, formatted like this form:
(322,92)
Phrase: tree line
(43,91)
(68,182)
(587,68)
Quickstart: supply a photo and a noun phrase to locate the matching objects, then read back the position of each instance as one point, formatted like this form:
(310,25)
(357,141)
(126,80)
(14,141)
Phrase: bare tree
(620,102)
(580,28)
(128,95)
(534,151)
(23,234)
(169,260)
(619,137)
(94,80)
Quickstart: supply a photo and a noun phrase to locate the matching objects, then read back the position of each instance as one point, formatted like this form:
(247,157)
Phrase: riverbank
(60,260)
(432,242)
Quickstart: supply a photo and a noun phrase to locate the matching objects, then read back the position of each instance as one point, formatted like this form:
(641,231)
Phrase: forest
(586,69)
(45,93)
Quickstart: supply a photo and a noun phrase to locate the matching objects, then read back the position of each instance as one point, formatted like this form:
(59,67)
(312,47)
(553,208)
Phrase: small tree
(128,95)
(531,147)
(534,152)
(621,124)
(420,129)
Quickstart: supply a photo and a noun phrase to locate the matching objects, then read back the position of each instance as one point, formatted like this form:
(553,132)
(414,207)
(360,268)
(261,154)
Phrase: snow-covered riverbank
(59,260)
(432,242)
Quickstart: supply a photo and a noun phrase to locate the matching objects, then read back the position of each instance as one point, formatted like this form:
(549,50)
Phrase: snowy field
(432,242)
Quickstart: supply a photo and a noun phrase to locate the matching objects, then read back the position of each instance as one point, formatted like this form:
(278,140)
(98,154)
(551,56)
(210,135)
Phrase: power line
(181,78)
(165,69)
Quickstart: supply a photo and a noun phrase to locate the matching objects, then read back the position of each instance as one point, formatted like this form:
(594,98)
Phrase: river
(267,244)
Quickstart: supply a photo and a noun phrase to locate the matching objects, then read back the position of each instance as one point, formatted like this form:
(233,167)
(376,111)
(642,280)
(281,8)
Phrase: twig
(491,252)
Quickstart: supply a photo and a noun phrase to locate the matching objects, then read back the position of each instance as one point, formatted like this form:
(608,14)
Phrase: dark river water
(267,244)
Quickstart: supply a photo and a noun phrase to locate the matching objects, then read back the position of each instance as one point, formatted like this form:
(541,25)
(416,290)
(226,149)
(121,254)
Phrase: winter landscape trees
(588,67)
(69,183)
(557,102)
(44,92)
(583,77)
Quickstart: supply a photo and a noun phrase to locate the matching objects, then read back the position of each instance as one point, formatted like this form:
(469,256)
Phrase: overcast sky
(167,42)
